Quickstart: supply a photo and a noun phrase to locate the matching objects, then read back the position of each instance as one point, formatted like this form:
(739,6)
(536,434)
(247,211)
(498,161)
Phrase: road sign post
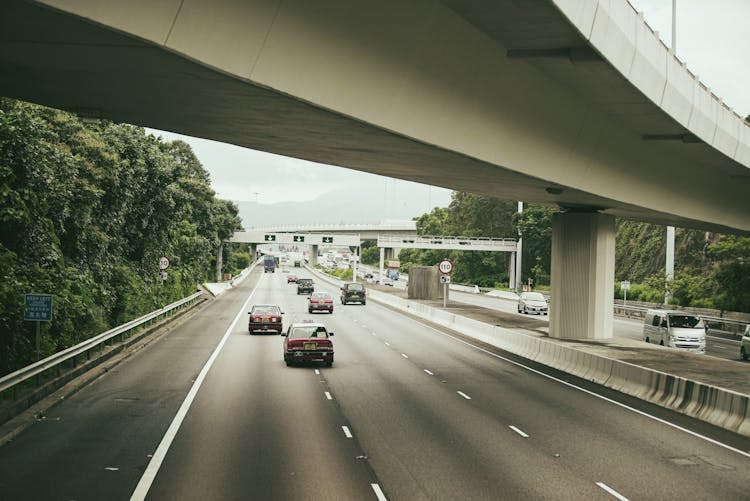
(38,308)
(624,287)
(446,268)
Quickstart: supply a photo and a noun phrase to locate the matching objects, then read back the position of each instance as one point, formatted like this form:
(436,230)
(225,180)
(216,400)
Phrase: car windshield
(354,287)
(685,321)
(534,296)
(320,295)
(266,310)
(305,280)
(307,331)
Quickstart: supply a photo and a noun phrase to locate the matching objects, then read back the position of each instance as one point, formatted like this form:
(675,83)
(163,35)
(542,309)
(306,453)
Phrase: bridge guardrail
(15,378)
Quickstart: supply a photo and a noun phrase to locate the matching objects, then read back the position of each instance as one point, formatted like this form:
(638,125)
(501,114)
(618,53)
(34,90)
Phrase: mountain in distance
(343,206)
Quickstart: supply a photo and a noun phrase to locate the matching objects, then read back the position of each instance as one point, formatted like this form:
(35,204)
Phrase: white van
(675,329)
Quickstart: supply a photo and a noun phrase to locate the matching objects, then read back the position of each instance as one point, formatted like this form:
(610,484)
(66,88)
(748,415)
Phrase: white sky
(713,38)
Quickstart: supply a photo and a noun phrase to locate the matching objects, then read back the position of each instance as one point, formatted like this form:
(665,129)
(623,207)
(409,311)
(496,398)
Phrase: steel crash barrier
(11,381)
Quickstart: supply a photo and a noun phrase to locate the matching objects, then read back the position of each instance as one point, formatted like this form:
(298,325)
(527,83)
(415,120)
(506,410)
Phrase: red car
(320,301)
(308,342)
(265,317)
(291,279)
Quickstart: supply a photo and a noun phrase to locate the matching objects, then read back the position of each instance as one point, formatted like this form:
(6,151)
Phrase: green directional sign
(327,240)
(38,307)
(299,238)
(270,238)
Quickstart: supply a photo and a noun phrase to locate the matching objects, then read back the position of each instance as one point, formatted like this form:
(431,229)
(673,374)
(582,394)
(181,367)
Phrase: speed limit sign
(163,263)
(445,266)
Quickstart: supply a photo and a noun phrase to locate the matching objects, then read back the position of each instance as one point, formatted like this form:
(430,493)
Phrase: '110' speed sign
(445,266)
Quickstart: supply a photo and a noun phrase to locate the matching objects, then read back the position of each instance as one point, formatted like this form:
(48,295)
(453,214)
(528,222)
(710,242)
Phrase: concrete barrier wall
(724,408)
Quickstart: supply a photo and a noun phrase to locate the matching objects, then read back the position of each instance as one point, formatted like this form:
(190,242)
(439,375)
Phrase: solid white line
(347,432)
(144,484)
(612,491)
(467,397)
(379,492)
(328,396)
(589,392)
(405,355)
(428,372)
(519,432)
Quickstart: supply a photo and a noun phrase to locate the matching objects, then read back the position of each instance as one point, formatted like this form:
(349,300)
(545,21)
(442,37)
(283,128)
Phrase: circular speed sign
(445,266)
(163,263)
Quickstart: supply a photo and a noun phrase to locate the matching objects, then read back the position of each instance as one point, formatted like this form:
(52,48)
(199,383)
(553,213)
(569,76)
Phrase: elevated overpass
(574,103)
(365,231)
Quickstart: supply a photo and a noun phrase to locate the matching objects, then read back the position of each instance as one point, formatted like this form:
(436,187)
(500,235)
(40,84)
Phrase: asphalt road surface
(407,412)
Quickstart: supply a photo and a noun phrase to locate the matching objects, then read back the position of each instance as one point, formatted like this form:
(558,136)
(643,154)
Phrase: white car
(533,302)
(745,344)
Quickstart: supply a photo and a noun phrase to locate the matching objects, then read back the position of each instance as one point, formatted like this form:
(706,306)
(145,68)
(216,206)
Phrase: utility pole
(670,229)
(519,248)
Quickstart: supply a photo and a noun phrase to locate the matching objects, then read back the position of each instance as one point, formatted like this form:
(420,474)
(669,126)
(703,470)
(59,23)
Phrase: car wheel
(309,310)
(661,343)
(363,303)
(743,353)
(330,311)
(647,340)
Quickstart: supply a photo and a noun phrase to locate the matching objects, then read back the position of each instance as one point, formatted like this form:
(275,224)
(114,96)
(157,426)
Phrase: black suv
(305,286)
(353,293)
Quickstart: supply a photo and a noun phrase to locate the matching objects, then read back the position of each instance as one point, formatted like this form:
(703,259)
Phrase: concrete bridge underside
(496,97)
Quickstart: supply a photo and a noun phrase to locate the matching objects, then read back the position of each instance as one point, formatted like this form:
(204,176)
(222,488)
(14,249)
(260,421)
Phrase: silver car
(533,302)
(745,344)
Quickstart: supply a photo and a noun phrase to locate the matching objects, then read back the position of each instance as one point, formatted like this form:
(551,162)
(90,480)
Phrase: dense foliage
(85,213)
(711,270)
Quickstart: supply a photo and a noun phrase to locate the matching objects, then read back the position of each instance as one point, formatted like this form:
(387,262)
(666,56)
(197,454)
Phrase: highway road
(407,412)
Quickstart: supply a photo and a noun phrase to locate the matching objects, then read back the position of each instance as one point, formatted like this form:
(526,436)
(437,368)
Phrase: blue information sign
(38,307)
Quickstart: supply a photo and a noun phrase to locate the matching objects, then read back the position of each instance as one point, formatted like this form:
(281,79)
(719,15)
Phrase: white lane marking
(519,432)
(144,484)
(467,397)
(429,373)
(612,491)
(387,343)
(374,334)
(589,392)
(347,432)
(405,355)
(328,396)
(379,492)
(317,371)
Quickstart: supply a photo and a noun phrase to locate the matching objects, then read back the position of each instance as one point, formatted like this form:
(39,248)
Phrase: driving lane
(258,429)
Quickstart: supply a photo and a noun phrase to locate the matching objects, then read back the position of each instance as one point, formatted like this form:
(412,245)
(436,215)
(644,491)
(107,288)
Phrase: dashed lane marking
(524,435)
(612,491)
(467,397)
(347,432)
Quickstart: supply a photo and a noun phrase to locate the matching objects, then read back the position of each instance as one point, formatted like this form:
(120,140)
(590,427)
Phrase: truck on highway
(269,264)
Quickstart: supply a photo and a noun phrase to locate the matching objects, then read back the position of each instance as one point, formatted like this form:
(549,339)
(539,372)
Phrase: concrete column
(313,257)
(583,275)
(512,271)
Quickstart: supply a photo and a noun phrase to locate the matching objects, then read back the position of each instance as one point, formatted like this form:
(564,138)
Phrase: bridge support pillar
(313,257)
(583,275)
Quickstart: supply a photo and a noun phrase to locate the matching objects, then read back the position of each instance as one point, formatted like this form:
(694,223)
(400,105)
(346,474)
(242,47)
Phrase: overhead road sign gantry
(262,237)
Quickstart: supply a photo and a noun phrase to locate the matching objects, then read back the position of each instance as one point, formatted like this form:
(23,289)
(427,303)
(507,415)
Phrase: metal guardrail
(26,373)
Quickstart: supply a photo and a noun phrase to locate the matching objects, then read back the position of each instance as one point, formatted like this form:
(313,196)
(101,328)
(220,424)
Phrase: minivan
(675,329)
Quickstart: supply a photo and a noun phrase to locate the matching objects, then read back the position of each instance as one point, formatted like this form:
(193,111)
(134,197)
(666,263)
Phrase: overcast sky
(713,38)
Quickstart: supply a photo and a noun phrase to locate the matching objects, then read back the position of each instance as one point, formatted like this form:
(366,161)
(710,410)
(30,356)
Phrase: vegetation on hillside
(85,213)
